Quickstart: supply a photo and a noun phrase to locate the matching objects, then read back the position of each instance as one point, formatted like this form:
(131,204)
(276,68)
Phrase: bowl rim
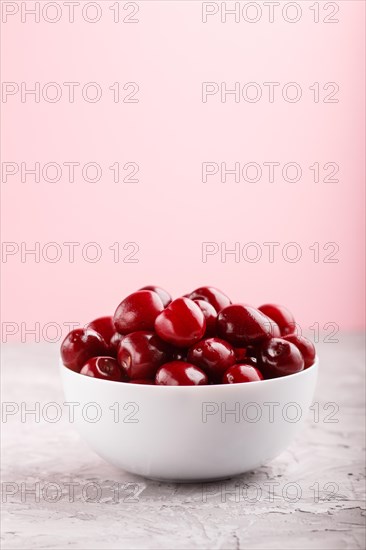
(204,387)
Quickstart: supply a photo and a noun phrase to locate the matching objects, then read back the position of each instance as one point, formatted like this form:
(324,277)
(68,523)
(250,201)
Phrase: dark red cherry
(178,373)
(138,312)
(274,328)
(241,373)
(278,357)
(106,368)
(79,346)
(182,323)
(114,343)
(143,381)
(213,295)
(306,347)
(240,354)
(104,326)
(213,355)
(243,325)
(163,294)
(141,353)
(210,315)
(280,315)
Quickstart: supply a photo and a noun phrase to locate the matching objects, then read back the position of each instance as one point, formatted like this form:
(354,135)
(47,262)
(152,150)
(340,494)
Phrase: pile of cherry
(200,338)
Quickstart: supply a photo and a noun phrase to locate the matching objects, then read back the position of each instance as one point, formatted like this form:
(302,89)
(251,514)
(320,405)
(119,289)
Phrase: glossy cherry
(241,373)
(214,356)
(243,325)
(278,357)
(182,323)
(178,373)
(212,295)
(210,315)
(163,294)
(141,353)
(106,368)
(274,328)
(79,346)
(306,347)
(114,343)
(105,327)
(280,315)
(138,312)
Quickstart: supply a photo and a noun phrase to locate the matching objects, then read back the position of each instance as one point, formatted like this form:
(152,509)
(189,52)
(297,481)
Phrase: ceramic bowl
(190,433)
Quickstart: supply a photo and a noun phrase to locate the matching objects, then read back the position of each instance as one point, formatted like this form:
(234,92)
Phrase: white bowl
(189,433)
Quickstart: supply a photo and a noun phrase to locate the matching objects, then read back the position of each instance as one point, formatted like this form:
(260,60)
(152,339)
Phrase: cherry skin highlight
(278,357)
(241,373)
(178,373)
(182,323)
(280,315)
(105,368)
(141,353)
(163,294)
(305,346)
(138,312)
(79,346)
(243,325)
(214,356)
(212,295)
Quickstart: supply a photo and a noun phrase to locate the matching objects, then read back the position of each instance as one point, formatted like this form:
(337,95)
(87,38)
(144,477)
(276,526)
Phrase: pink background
(169,133)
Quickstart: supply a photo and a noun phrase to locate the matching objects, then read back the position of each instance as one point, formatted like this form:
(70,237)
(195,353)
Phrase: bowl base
(198,480)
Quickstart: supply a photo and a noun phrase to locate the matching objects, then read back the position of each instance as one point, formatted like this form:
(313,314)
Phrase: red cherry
(104,326)
(178,373)
(212,295)
(182,323)
(103,367)
(143,381)
(137,312)
(163,294)
(274,328)
(240,354)
(243,325)
(306,347)
(280,315)
(213,356)
(141,353)
(79,346)
(241,373)
(114,343)
(279,358)
(210,315)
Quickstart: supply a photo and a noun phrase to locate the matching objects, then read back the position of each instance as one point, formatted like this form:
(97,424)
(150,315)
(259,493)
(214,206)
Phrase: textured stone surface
(317,500)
